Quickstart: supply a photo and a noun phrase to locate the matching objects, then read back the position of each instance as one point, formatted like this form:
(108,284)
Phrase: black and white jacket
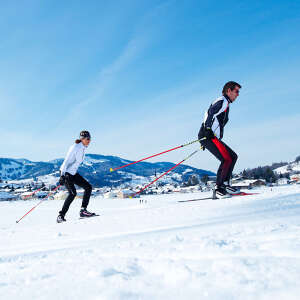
(216,117)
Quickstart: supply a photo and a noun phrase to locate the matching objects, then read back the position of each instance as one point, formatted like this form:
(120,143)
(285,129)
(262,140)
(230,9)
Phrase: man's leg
(216,147)
(234,158)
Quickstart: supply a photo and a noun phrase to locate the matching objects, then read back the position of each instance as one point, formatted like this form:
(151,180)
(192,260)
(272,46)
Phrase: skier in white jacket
(69,177)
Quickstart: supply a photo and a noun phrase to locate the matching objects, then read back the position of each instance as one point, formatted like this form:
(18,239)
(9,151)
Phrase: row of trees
(265,173)
(194,180)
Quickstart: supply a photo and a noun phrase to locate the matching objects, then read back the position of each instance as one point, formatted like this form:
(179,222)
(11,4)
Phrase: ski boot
(84,213)
(60,219)
(220,193)
(231,190)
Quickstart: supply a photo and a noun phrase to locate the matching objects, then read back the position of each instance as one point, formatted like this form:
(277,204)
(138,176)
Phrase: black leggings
(224,154)
(70,182)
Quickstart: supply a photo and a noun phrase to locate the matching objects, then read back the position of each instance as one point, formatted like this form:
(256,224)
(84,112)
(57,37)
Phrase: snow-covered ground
(238,248)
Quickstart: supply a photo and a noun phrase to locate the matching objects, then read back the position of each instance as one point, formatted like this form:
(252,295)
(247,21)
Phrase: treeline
(267,172)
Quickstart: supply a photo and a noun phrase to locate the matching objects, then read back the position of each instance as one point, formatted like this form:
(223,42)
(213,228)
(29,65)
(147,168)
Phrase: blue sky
(139,74)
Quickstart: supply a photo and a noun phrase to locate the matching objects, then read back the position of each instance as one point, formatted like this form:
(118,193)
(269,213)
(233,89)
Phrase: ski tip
(111,169)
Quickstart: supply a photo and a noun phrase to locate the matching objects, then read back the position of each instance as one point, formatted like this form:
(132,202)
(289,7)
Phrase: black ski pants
(225,155)
(70,181)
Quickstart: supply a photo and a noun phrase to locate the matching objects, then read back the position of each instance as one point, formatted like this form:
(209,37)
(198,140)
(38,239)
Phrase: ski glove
(62,180)
(68,178)
(208,133)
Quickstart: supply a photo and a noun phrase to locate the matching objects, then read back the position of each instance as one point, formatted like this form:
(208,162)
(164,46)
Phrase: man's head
(231,89)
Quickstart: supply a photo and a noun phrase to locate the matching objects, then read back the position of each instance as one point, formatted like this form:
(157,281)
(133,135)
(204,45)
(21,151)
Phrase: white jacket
(74,158)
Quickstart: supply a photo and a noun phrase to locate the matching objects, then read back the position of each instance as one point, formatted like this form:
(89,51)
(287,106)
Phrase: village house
(248,183)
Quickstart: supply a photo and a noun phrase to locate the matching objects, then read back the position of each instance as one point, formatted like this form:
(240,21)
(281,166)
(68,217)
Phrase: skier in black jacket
(212,129)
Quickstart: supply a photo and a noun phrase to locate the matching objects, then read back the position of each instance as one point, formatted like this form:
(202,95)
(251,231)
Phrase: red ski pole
(135,162)
(34,192)
(164,174)
(38,204)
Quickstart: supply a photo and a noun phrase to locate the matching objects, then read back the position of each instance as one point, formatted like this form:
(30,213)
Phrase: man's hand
(208,133)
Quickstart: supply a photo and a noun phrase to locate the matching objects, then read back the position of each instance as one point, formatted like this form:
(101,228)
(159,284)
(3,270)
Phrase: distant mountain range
(96,169)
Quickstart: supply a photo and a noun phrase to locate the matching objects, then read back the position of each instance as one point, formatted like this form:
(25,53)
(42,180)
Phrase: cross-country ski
(214,198)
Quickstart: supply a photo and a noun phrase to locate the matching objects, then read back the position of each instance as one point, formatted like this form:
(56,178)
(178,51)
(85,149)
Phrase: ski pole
(135,162)
(34,192)
(164,174)
(31,194)
(38,204)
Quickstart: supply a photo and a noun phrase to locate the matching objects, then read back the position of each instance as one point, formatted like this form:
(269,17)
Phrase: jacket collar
(82,146)
(227,98)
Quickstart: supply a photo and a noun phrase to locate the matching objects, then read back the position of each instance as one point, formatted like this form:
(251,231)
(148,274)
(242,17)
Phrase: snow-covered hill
(239,248)
(289,168)
(11,169)
(96,169)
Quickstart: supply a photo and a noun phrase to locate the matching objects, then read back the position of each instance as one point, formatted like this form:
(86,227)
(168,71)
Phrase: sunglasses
(237,91)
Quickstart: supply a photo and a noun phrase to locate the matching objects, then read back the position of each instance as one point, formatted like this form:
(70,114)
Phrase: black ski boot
(60,219)
(84,213)
(220,193)
(231,190)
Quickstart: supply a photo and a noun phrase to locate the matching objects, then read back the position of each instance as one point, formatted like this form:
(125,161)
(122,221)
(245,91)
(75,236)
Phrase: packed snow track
(245,247)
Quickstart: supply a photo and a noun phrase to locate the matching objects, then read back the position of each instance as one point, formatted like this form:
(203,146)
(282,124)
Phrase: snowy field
(238,248)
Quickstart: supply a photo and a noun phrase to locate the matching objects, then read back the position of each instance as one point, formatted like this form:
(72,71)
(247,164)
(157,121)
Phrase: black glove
(62,179)
(208,133)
